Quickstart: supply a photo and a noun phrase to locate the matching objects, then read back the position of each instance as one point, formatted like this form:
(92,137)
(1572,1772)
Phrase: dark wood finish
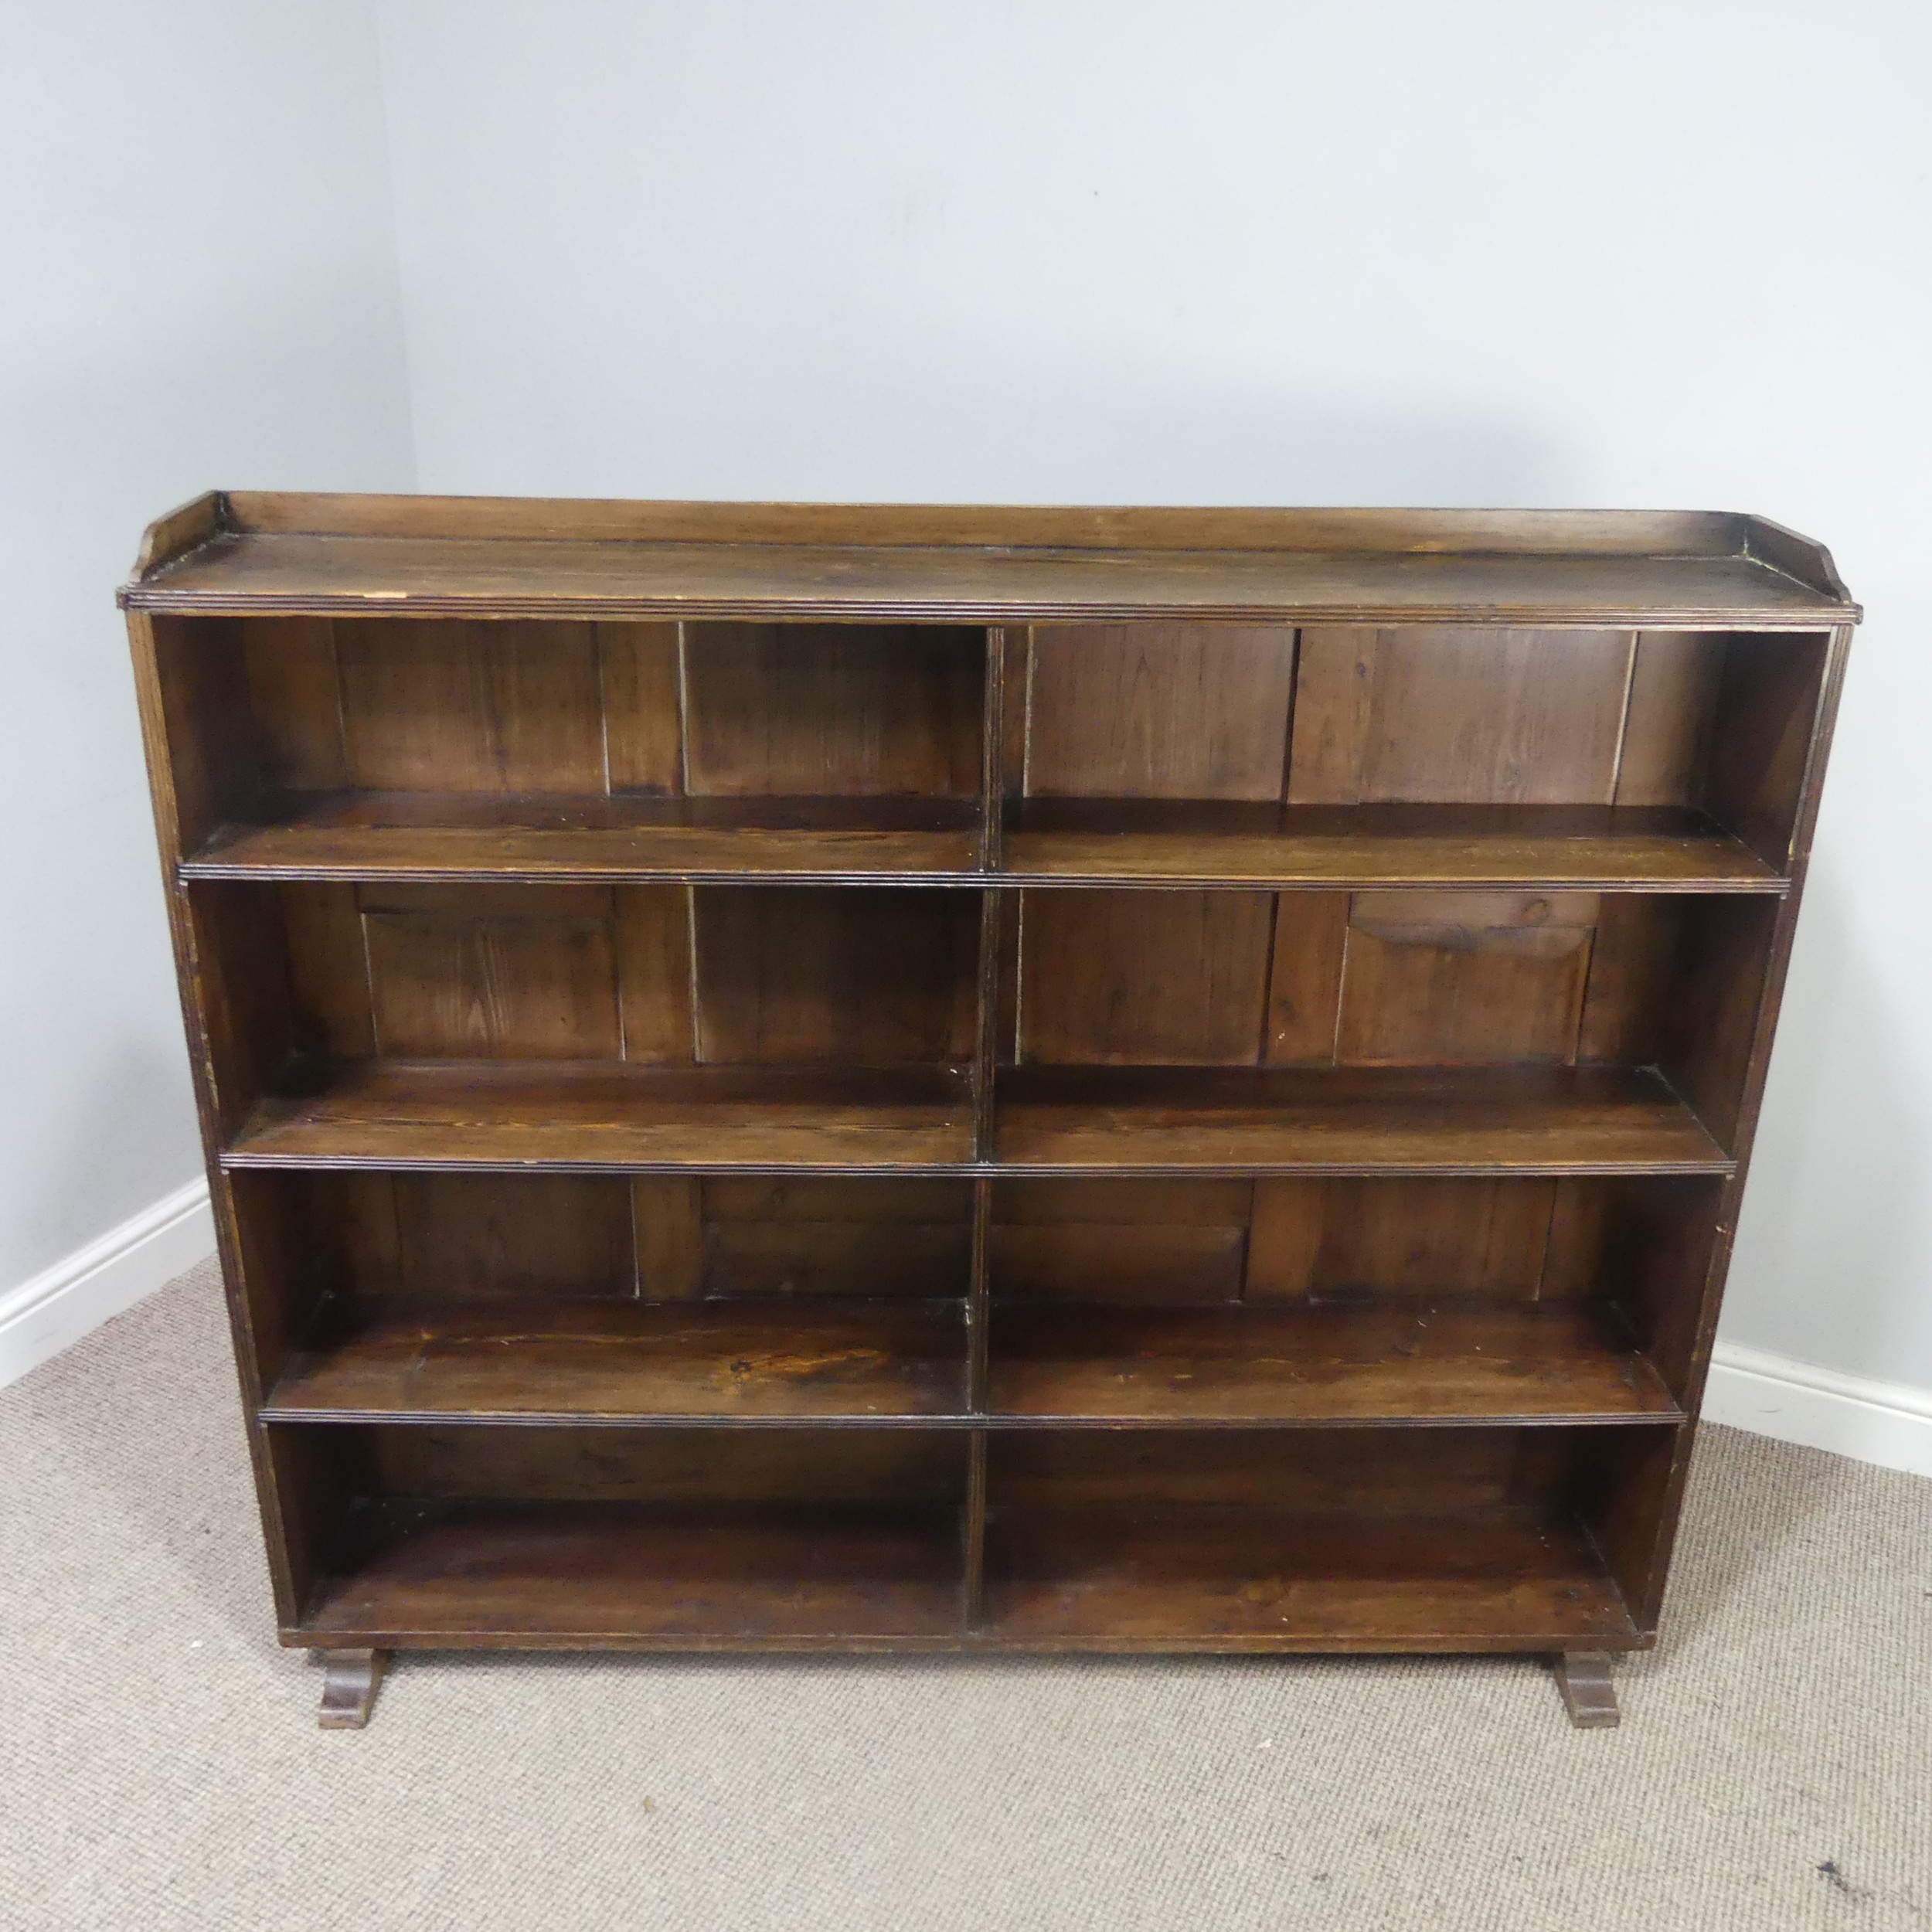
(1589,1695)
(1471,1361)
(1364,1120)
(710,1576)
(1185,1577)
(458,555)
(607,1361)
(588,1116)
(1162,842)
(432,835)
(1448,716)
(350,1681)
(781,1077)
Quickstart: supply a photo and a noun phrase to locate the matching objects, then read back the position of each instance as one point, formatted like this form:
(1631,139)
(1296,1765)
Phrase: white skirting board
(61,1304)
(1886,1423)
(1880,1422)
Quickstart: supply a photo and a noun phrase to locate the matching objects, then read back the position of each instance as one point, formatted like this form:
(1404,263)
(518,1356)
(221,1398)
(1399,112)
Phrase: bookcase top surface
(247,553)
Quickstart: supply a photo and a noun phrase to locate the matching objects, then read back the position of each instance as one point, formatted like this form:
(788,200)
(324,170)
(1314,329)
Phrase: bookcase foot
(1583,1678)
(350,1683)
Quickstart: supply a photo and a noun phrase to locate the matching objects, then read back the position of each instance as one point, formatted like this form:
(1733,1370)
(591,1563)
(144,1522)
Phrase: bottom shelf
(492,1574)
(1241,1577)
(595,1575)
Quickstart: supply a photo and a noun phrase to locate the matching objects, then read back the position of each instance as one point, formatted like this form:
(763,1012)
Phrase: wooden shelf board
(1158,843)
(894,1358)
(249,572)
(1254,1577)
(1354,1120)
(590,1116)
(500,1573)
(432,836)
(1396,1360)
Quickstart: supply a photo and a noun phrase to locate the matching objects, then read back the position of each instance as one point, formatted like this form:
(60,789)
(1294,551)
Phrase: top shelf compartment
(1153,754)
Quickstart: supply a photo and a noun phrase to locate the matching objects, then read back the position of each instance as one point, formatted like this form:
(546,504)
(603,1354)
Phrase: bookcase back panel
(1381,978)
(1462,978)
(866,978)
(513,706)
(1417,714)
(783,975)
(1126,978)
(834,1236)
(1158,710)
(1316,1239)
(1435,715)
(1378,1469)
(778,1465)
(833,710)
(1160,1241)
(1281,1242)
(444,1237)
(509,707)
(466,973)
(437,1239)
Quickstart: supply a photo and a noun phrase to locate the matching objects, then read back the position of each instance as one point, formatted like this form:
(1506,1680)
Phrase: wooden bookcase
(866,1079)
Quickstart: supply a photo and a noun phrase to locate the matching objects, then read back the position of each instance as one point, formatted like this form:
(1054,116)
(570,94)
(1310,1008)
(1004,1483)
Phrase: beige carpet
(160,1765)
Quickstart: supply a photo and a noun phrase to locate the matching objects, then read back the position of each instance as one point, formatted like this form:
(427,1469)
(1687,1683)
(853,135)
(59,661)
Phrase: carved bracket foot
(350,1681)
(1583,1678)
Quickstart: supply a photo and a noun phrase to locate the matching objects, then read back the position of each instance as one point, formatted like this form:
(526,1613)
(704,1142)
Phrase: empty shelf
(427,836)
(1160,842)
(1205,1576)
(504,1574)
(1396,1360)
(584,1115)
(1350,1120)
(626,1361)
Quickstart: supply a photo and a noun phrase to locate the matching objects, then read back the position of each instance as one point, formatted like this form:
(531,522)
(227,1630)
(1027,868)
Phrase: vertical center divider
(985,1043)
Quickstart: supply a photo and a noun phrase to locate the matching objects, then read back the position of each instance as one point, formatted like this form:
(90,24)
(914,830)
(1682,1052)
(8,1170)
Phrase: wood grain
(1365,1119)
(590,1116)
(1463,979)
(449,836)
(1162,842)
(1455,716)
(808,974)
(1347,1237)
(483,1573)
(1409,1360)
(640,686)
(806,710)
(496,707)
(634,1362)
(1116,978)
(452,975)
(249,572)
(1159,710)
(1273,1579)
(1668,721)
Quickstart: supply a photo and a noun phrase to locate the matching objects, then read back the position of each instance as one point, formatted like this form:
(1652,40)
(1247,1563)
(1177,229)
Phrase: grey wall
(197,287)
(1113,251)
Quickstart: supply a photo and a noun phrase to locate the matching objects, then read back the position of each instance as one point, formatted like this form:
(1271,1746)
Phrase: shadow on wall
(1826,1240)
(887,436)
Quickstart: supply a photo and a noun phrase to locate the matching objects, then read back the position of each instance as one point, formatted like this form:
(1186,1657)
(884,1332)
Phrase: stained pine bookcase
(787,1078)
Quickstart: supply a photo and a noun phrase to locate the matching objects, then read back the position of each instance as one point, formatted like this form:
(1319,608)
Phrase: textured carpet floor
(160,1765)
